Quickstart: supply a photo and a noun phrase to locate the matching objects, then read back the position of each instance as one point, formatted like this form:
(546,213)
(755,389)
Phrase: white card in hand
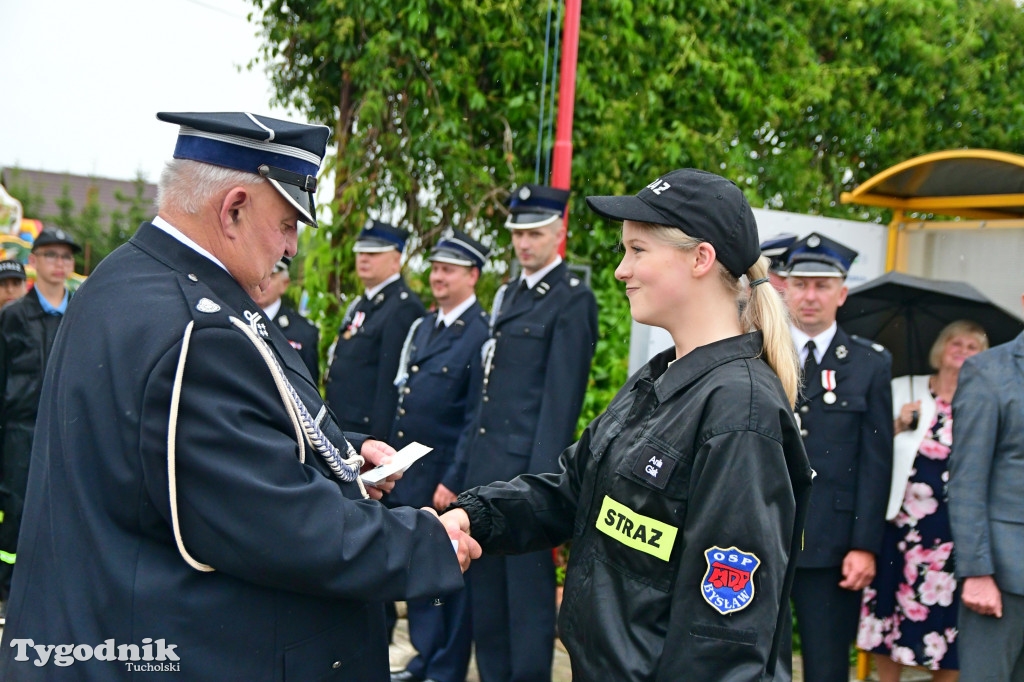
(402,460)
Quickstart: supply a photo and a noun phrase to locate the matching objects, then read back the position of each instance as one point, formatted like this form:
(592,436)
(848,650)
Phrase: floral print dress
(909,612)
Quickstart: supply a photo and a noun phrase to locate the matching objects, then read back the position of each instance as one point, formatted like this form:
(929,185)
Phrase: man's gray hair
(185,185)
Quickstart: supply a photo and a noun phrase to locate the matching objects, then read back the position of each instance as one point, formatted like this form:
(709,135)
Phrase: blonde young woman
(684,500)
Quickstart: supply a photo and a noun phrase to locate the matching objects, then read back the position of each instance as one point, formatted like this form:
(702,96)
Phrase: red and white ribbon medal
(828,382)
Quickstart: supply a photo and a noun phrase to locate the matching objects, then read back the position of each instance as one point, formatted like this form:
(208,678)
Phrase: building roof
(50,186)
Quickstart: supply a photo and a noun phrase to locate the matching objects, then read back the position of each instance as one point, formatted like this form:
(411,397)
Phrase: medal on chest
(828,382)
(353,327)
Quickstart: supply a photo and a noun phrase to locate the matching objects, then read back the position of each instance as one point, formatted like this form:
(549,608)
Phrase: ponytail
(766,312)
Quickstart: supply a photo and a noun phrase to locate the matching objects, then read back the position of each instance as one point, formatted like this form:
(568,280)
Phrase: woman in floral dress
(908,616)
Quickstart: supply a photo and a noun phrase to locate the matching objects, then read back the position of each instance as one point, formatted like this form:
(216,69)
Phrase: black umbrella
(906,313)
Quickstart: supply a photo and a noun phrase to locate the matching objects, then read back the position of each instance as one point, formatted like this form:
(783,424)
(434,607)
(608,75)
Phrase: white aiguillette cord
(306,428)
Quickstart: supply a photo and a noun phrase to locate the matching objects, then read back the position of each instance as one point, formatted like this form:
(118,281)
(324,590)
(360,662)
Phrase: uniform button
(482,430)
(804,409)
(803,432)
(487,399)
(366,420)
(444,370)
(415,368)
(193,277)
(401,412)
(526,331)
(408,390)
(497,333)
(336,665)
(401,434)
(844,403)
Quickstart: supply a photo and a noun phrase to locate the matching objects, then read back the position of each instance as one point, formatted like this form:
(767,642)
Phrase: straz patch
(728,584)
(636,530)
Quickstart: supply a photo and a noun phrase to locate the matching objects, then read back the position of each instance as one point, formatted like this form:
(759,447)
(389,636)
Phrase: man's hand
(443,497)
(981,595)
(468,548)
(858,570)
(377,452)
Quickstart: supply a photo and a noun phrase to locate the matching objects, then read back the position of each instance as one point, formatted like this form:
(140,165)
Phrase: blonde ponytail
(765,311)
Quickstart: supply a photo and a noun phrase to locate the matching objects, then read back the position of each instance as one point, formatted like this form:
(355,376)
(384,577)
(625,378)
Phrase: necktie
(514,294)
(438,328)
(810,364)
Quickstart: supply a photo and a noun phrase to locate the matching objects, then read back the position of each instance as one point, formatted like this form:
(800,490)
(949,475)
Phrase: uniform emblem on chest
(728,584)
(637,531)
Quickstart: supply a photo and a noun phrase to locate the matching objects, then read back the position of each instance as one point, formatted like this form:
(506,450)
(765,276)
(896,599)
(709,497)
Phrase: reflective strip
(7,557)
(636,530)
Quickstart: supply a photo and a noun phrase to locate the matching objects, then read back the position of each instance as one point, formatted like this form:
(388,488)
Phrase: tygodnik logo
(163,659)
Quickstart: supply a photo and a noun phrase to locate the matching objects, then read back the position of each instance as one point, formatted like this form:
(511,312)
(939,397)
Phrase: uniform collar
(456,312)
(535,278)
(272,309)
(162,224)
(821,342)
(370,293)
(698,362)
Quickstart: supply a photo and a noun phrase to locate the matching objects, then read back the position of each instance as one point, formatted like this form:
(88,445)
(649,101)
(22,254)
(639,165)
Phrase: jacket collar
(686,370)
(426,348)
(524,302)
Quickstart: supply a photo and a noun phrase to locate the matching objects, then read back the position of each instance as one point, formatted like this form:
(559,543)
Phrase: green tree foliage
(435,104)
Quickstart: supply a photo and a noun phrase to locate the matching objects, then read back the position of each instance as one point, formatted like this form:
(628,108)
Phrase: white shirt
(448,318)
(180,236)
(821,342)
(535,278)
(370,293)
(271,310)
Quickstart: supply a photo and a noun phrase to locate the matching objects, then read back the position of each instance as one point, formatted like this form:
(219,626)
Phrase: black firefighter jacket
(684,502)
(302,562)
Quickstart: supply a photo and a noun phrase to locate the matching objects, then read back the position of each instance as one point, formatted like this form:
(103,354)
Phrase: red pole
(561,169)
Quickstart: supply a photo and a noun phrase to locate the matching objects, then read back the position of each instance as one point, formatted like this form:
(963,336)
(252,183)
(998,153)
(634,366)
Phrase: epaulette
(873,345)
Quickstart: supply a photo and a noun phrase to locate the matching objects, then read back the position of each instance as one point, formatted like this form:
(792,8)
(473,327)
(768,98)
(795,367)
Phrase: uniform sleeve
(565,380)
(874,468)
(3,385)
(249,508)
(391,339)
(976,415)
(740,499)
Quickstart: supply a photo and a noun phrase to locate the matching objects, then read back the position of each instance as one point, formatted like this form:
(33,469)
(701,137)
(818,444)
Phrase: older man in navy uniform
(845,410)
(302,334)
(369,342)
(440,363)
(536,365)
(190,495)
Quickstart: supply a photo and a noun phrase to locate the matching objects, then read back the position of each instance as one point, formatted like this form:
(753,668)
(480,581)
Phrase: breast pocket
(524,344)
(641,512)
(843,418)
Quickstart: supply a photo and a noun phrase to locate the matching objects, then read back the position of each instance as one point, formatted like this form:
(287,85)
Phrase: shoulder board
(868,343)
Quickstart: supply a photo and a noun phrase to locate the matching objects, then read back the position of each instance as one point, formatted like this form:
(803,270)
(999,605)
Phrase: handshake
(456,523)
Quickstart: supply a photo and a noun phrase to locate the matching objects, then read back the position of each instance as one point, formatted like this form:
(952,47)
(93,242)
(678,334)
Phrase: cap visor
(814,269)
(529,221)
(451,260)
(299,198)
(373,246)
(625,208)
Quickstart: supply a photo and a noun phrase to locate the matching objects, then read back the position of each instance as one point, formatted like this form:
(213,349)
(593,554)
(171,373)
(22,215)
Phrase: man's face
(53,263)
(274,291)
(814,301)
(537,247)
(451,284)
(374,268)
(11,289)
(268,230)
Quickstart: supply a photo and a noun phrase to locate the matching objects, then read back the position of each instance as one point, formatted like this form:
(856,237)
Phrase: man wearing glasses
(27,329)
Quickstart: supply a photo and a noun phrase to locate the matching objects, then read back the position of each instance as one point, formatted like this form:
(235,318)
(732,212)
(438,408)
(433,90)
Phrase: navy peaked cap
(776,249)
(11,269)
(287,154)
(459,248)
(532,206)
(818,256)
(377,237)
(701,204)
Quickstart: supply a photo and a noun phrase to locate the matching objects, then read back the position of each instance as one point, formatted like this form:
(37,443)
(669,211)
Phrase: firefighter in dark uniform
(684,500)
(302,334)
(845,410)
(536,365)
(369,342)
(190,495)
(440,362)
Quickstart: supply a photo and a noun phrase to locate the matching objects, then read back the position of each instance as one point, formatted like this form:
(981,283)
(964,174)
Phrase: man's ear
(232,205)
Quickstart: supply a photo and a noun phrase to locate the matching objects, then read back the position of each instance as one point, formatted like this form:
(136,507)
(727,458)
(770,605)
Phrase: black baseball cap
(55,235)
(11,269)
(701,204)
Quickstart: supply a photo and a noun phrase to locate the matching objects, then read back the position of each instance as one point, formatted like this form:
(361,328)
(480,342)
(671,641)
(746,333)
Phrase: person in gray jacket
(986,489)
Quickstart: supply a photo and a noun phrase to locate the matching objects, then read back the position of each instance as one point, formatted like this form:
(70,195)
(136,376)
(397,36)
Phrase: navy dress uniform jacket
(701,454)
(302,562)
(436,401)
(303,336)
(849,443)
(360,382)
(986,467)
(531,397)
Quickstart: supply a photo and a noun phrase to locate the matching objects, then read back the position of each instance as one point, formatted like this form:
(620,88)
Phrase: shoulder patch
(728,584)
(205,305)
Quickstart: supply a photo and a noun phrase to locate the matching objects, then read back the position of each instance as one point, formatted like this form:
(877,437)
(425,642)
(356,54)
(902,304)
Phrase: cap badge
(841,352)
(727,584)
(524,193)
(205,305)
(813,241)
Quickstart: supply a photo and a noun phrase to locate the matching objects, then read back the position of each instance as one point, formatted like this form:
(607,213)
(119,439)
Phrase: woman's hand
(905,420)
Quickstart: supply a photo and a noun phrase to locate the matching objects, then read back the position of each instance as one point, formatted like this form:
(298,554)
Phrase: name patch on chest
(728,584)
(635,530)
